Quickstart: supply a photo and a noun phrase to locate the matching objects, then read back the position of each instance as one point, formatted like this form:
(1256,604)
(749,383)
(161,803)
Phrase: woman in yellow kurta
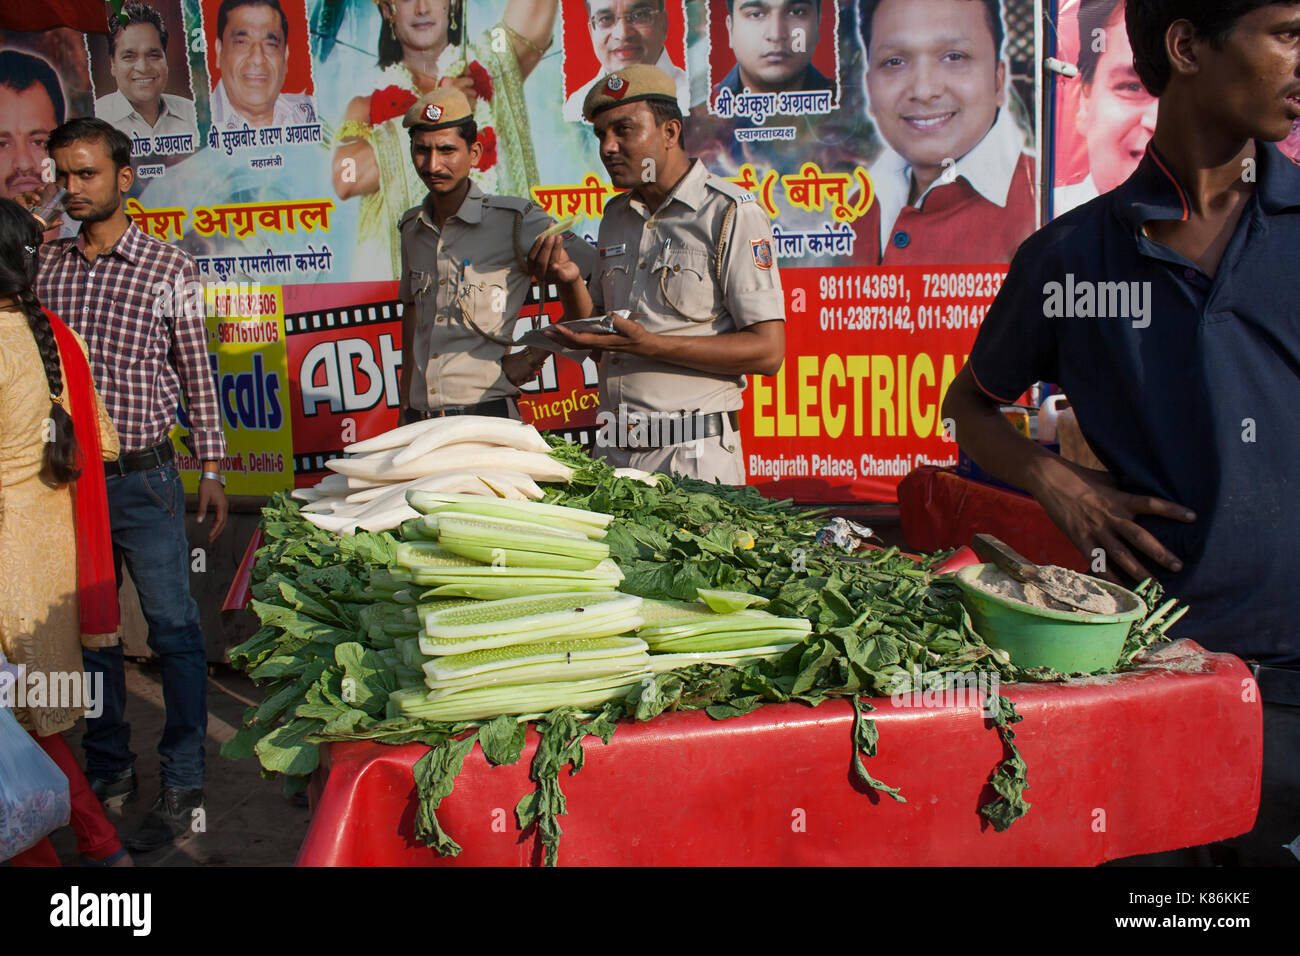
(40,621)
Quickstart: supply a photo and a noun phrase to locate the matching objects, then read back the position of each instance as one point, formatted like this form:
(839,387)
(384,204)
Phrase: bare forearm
(991,441)
(752,351)
(533,20)
(356,173)
(576,300)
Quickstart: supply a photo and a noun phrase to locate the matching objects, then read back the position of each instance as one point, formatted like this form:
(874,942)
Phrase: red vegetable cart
(1118,765)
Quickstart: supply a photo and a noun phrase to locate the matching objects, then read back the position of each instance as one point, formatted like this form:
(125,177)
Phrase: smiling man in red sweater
(955,183)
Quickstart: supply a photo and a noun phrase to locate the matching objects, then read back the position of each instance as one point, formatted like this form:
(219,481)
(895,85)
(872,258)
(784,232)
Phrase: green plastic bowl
(1072,643)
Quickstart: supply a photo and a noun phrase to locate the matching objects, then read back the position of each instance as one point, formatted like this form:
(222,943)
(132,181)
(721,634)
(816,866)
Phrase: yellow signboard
(245,326)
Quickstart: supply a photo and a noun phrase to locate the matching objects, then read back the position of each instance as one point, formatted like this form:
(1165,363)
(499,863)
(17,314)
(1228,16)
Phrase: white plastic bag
(34,799)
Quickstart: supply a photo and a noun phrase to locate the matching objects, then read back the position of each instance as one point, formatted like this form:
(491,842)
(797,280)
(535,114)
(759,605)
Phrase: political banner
(891,144)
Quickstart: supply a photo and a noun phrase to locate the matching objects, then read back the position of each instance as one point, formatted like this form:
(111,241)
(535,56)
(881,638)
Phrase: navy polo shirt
(1189,390)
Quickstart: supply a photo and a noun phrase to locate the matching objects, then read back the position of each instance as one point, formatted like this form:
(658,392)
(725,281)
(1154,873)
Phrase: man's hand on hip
(1094,515)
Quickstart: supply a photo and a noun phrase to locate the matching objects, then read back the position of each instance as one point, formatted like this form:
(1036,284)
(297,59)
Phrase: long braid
(61,453)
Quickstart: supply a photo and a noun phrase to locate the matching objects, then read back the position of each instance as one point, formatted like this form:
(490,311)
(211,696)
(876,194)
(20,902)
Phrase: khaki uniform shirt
(666,266)
(472,270)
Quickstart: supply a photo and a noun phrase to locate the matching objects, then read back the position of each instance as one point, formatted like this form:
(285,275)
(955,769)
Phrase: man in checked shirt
(125,293)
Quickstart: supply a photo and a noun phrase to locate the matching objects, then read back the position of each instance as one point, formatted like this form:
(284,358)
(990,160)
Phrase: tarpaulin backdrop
(292,224)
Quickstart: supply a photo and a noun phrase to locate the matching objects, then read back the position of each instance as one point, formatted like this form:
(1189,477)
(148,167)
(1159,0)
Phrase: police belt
(497,408)
(1277,685)
(154,457)
(664,431)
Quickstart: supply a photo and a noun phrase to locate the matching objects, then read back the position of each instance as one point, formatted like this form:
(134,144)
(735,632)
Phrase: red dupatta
(96,579)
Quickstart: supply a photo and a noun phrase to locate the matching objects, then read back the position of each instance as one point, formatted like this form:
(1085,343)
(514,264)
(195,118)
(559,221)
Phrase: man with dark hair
(31,105)
(252,47)
(138,304)
(137,51)
(690,255)
(1116,114)
(463,278)
(1164,310)
(956,182)
(774,42)
(623,33)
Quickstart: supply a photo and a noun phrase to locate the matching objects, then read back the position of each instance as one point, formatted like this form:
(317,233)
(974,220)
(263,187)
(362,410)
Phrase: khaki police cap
(629,85)
(443,108)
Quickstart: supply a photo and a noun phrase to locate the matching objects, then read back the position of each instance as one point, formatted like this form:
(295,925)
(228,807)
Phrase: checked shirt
(146,347)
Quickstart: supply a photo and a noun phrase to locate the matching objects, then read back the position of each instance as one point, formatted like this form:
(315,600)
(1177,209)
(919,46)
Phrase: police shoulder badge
(616,87)
(433,112)
(762,249)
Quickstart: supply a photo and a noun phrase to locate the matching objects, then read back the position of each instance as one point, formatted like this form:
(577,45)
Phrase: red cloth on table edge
(941,509)
(88,16)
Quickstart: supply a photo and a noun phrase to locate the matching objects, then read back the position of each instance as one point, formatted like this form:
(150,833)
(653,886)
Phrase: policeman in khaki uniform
(464,274)
(690,255)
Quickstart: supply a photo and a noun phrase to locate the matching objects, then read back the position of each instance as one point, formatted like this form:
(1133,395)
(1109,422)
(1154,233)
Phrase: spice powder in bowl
(1091,597)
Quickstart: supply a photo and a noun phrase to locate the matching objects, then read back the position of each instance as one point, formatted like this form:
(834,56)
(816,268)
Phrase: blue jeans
(146,510)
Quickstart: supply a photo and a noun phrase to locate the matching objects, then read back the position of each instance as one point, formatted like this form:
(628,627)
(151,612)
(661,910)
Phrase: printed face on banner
(768,47)
(602,36)
(139,64)
(42,82)
(26,119)
(141,77)
(254,59)
(934,79)
(1107,117)
(419,24)
(259,62)
(627,32)
(774,41)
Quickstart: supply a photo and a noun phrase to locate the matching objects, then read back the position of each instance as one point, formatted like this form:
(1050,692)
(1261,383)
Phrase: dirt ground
(249,822)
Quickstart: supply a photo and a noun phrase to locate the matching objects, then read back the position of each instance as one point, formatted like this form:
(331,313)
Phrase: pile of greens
(882,624)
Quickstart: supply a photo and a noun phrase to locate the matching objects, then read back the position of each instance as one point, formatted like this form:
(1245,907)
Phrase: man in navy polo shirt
(1166,310)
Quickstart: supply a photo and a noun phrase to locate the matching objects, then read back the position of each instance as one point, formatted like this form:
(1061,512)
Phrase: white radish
(356,484)
(466,481)
(386,520)
(335,523)
(498,431)
(636,474)
(398,437)
(537,466)
(379,466)
(331,484)
(305,494)
(523,483)
(396,494)
(503,488)
(332,506)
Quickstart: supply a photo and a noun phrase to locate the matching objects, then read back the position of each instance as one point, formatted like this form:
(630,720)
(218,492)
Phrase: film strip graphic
(371,313)
(376,313)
